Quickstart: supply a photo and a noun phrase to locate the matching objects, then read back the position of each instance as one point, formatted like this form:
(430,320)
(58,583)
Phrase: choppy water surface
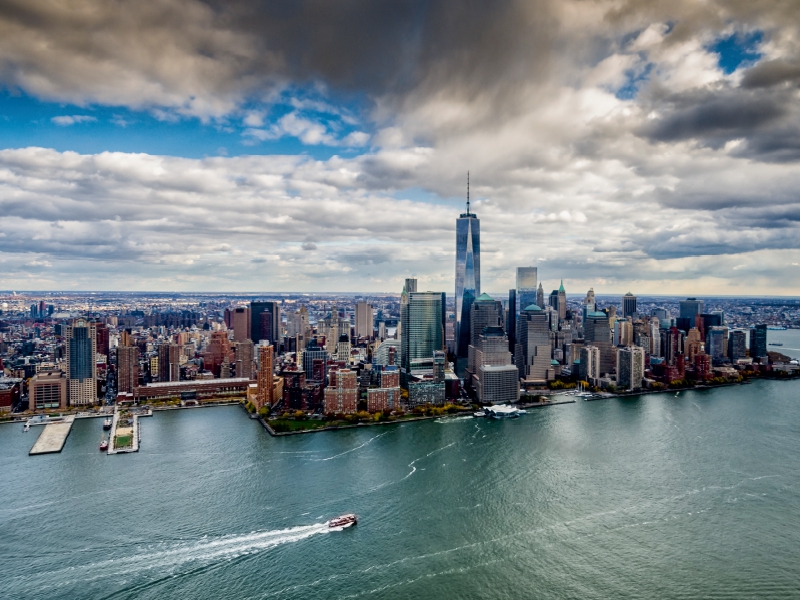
(667,496)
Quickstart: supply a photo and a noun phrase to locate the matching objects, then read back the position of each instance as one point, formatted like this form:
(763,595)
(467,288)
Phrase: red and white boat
(104,445)
(343,521)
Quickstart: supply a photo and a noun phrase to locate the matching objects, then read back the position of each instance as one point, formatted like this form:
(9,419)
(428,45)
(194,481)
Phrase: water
(658,496)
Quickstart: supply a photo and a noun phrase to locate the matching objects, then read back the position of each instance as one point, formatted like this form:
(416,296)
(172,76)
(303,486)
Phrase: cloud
(607,139)
(67,120)
(309,246)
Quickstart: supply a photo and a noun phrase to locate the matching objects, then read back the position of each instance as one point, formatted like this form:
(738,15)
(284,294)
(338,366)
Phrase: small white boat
(479,414)
(343,521)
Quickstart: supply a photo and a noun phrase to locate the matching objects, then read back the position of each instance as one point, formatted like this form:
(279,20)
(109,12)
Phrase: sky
(180,145)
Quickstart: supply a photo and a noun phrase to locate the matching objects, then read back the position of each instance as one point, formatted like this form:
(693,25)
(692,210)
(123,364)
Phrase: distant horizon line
(13,293)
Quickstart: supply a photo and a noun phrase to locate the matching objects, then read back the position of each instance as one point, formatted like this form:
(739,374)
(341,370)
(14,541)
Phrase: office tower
(539,296)
(384,353)
(630,368)
(562,302)
(758,342)
(343,348)
(486,312)
(533,351)
(364,320)
(102,338)
(717,344)
(629,306)
(511,320)
(127,368)
(694,344)
(623,333)
(341,396)
(590,364)
(218,349)
(382,330)
(265,322)
(315,354)
(423,327)
(494,378)
(298,323)
(265,375)
(241,324)
(47,389)
(244,359)
(410,285)
(468,278)
(81,362)
(690,308)
(526,285)
(737,345)
(169,365)
(596,333)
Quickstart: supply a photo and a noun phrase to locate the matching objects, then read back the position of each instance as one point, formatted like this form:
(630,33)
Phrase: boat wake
(351,449)
(167,558)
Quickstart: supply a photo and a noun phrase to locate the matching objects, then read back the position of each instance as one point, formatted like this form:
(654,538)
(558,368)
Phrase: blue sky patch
(736,49)
(298,123)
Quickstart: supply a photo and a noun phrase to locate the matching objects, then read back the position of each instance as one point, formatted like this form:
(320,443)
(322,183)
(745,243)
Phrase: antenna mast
(467,193)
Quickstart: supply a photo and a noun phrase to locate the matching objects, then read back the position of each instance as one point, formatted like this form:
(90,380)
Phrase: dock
(53,437)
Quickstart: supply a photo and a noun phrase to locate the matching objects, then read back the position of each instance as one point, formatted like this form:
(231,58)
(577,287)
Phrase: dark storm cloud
(771,73)
(715,116)
(204,58)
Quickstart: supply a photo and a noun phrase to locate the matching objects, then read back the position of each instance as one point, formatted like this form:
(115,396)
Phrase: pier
(53,437)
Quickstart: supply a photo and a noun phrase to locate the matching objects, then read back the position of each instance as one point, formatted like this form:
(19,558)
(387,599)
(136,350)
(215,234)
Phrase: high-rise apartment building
(341,396)
(630,368)
(364,324)
(468,278)
(169,366)
(590,364)
(527,278)
(243,352)
(127,368)
(81,362)
(241,324)
(265,376)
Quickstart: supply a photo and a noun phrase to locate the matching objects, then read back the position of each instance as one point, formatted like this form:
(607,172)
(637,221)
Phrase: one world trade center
(468,279)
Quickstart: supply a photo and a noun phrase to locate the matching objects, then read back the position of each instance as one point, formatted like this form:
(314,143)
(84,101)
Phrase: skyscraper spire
(467,193)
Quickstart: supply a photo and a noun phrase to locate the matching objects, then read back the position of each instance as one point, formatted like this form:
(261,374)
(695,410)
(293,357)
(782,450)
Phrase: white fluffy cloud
(605,141)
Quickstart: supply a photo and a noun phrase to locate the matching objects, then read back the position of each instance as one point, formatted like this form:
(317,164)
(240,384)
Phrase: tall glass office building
(468,278)
(526,287)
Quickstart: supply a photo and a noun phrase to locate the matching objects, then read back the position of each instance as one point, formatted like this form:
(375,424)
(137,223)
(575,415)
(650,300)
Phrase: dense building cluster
(340,354)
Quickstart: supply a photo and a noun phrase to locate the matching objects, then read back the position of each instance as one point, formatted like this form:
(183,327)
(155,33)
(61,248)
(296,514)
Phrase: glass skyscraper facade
(526,287)
(468,279)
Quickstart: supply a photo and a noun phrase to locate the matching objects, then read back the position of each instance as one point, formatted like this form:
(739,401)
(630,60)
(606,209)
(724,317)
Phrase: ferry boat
(104,445)
(343,521)
(502,411)
(776,344)
(107,424)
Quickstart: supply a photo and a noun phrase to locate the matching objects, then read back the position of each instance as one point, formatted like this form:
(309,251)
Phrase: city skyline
(634,148)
